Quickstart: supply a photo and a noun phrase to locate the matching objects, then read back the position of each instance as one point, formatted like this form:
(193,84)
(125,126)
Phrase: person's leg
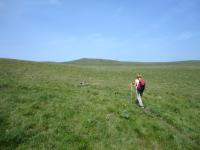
(139,99)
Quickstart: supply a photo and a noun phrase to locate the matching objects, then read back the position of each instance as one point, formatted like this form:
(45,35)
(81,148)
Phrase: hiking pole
(131,92)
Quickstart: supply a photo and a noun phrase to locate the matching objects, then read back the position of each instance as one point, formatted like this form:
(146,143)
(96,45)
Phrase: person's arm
(131,84)
(135,85)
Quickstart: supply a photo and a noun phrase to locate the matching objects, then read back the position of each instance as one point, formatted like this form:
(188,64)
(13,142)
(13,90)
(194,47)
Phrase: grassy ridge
(43,105)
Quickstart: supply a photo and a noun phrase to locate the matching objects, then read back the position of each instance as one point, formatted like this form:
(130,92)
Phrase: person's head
(139,75)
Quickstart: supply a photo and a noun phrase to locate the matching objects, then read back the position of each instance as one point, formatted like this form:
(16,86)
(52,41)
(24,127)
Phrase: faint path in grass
(149,112)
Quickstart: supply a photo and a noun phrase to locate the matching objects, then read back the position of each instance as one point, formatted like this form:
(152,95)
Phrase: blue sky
(129,30)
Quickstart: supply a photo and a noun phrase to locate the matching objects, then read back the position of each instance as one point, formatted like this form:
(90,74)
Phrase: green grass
(43,105)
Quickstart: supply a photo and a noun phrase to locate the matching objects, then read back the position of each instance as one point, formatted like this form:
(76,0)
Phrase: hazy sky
(131,30)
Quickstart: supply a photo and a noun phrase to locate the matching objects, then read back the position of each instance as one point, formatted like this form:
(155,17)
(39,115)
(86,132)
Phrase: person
(138,90)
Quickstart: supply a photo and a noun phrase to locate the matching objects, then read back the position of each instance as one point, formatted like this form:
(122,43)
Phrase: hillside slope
(44,106)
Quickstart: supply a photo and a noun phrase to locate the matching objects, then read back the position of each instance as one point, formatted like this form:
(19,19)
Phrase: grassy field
(44,106)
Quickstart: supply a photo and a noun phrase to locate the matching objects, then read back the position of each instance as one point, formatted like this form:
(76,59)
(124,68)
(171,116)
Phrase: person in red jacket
(139,85)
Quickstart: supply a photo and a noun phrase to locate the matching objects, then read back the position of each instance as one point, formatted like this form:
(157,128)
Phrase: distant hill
(110,61)
(105,62)
(88,61)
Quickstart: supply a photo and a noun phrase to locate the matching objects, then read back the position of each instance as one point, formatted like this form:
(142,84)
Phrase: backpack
(141,85)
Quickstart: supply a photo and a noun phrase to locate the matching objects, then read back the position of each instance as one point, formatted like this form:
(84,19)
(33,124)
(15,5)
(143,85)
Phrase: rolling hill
(86,104)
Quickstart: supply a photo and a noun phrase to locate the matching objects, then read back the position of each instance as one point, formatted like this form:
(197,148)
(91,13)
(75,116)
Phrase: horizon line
(102,59)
